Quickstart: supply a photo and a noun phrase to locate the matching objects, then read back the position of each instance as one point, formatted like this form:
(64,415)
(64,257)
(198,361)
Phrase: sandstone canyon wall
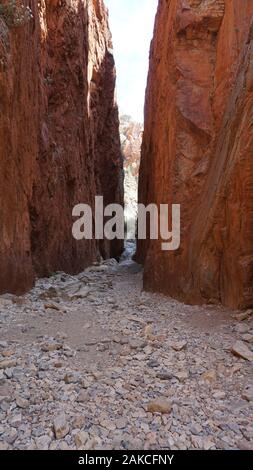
(59,138)
(197,149)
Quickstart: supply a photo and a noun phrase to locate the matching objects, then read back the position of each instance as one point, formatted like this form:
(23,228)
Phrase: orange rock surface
(197,150)
(59,138)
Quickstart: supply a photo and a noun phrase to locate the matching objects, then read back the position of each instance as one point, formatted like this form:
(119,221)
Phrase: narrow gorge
(102,347)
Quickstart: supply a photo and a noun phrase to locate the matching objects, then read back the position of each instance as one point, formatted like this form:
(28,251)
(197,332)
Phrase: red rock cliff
(197,149)
(59,138)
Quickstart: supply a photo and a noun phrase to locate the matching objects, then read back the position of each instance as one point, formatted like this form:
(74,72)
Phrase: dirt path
(83,359)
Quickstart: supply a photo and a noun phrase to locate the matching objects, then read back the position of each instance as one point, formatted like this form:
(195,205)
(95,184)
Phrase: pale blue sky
(131,23)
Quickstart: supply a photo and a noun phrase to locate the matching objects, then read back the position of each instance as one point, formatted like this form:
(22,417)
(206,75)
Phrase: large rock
(197,150)
(59,139)
(160,405)
(240,349)
(61,427)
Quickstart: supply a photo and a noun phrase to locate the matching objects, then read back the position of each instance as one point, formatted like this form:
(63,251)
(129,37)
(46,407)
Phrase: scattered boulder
(248,337)
(43,442)
(136,343)
(50,346)
(72,378)
(61,427)
(81,438)
(52,306)
(181,375)
(245,445)
(160,405)
(22,402)
(244,315)
(247,394)
(82,396)
(7,363)
(209,376)
(179,346)
(241,350)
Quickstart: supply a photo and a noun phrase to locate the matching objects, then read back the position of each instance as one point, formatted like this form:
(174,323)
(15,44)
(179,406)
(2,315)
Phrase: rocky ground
(93,362)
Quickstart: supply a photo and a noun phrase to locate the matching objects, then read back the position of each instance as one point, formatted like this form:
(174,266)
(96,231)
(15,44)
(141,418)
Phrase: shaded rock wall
(197,149)
(59,138)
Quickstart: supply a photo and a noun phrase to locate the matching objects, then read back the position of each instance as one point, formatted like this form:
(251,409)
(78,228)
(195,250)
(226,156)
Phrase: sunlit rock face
(59,138)
(197,150)
(131,138)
